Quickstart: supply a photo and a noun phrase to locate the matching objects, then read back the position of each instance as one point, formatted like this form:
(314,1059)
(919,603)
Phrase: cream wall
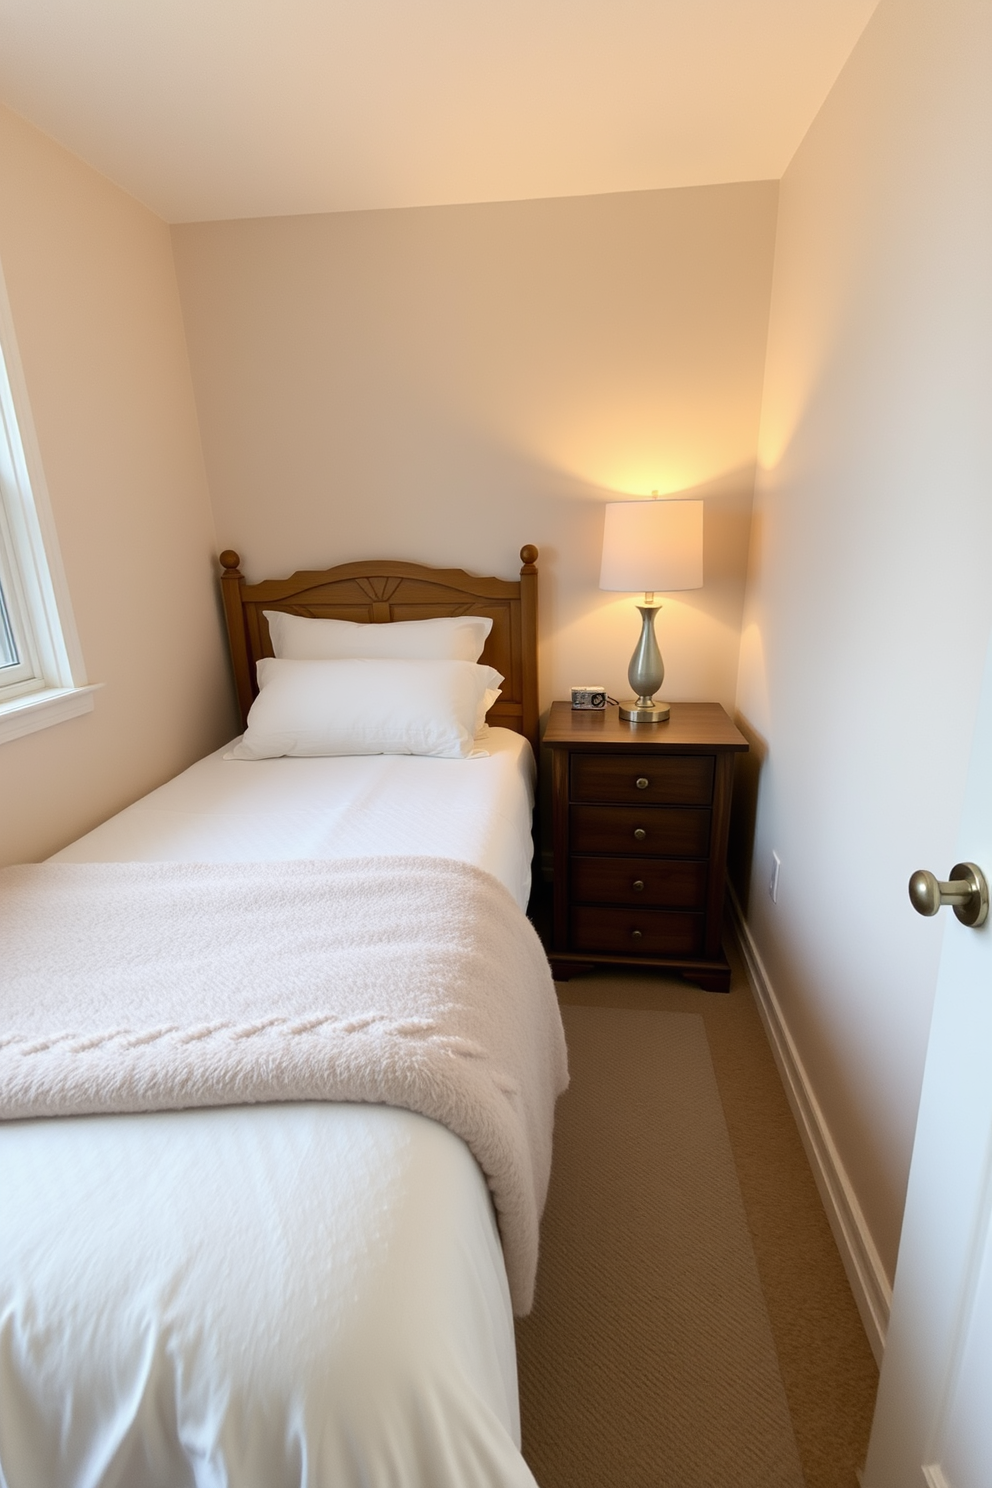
(92,289)
(870,591)
(448,383)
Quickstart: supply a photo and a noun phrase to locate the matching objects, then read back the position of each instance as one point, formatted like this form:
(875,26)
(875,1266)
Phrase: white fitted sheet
(274,1295)
(223,811)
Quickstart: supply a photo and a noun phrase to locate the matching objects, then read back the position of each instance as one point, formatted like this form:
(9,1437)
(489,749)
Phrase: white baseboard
(865,1272)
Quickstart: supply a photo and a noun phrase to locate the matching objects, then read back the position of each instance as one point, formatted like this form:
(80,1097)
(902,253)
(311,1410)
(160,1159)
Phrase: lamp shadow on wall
(744,809)
(752,702)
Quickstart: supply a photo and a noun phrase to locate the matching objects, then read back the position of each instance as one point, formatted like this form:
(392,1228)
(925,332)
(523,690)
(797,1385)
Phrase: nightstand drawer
(670,832)
(670,780)
(672,885)
(631,932)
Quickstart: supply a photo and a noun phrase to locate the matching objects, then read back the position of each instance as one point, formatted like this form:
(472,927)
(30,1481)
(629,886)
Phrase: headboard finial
(528,557)
(230,560)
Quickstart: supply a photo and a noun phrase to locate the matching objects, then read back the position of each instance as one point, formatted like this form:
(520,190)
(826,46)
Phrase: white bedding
(299,1294)
(229,811)
(276,1295)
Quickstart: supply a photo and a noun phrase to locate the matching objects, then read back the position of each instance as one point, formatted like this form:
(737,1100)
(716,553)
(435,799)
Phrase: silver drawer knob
(638,886)
(639,834)
(642,782)
(636,934)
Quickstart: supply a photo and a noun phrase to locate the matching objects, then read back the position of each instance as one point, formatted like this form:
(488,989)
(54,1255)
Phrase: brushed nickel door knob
(966,891)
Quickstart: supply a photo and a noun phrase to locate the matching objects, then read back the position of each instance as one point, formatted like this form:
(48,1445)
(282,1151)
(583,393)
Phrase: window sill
(38,710)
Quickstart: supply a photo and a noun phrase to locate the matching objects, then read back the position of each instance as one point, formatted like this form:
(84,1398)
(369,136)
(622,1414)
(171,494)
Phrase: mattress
(478,811)
(273,1295)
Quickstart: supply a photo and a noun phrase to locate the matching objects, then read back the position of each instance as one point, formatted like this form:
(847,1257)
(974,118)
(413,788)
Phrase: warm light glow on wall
(633,478)
(650,449)
(629,478)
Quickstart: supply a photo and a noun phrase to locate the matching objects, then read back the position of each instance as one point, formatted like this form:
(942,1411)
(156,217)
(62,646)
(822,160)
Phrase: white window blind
(41,671)
(9,655)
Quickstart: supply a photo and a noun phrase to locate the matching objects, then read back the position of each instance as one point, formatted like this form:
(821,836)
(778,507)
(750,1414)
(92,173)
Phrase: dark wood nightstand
(641,816)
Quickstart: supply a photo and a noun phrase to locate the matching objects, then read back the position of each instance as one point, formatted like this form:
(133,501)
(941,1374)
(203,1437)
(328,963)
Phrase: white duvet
(276,1295)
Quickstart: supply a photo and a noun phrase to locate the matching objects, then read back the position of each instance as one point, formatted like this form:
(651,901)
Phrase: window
(9,656)
(41,671)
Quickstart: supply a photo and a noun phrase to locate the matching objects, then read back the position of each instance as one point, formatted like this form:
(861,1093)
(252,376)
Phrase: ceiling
(207,109)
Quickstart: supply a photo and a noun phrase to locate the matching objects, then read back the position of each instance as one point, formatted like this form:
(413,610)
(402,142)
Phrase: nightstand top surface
(692,727)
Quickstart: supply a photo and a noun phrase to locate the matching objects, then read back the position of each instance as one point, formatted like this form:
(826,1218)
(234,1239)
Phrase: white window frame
(48,684)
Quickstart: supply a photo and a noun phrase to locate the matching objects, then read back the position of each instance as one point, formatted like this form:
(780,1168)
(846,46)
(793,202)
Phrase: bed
(260,1287)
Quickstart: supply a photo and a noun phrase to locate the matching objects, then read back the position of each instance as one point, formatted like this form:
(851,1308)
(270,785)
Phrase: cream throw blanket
(413,982)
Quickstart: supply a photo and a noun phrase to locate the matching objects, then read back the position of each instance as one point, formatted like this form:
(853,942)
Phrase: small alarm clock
(589,697)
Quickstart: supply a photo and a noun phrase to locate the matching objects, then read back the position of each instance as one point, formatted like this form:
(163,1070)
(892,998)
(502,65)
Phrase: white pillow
(448,638)
(488,698)
(367,707)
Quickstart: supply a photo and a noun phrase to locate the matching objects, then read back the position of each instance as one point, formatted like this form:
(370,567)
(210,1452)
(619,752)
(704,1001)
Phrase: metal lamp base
(643,710)
(646,673)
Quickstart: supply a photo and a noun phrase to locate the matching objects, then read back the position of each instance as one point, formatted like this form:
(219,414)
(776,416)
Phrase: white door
(933,1421)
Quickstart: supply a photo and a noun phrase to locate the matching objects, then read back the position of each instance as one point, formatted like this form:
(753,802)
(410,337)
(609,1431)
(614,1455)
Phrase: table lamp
(655,546)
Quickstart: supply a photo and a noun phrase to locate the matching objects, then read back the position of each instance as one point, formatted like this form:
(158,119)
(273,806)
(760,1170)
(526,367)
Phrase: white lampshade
(654,546)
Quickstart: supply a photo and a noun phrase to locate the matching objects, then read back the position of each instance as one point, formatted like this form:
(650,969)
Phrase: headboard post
(231,584)
(528,626)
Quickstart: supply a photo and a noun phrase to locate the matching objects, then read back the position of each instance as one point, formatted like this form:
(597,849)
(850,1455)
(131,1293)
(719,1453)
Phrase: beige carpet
(649,1359)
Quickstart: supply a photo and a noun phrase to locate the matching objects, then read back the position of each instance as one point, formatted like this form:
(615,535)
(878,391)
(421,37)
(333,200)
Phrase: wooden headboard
(378,592)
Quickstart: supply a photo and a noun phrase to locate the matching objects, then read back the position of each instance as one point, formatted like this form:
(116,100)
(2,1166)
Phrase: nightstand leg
(710,981)
(564,971)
